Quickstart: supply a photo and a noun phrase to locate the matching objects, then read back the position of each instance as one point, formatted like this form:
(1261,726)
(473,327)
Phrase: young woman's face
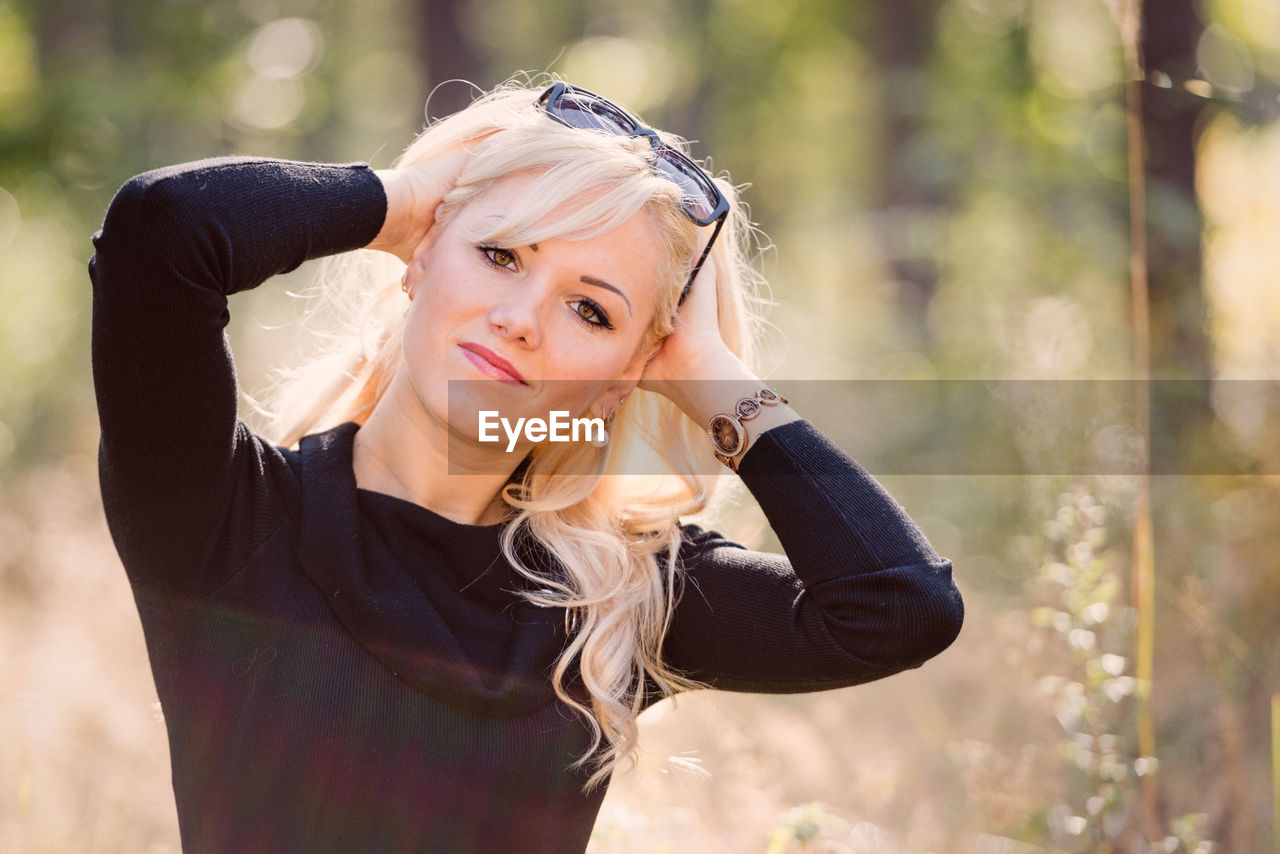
(569,317)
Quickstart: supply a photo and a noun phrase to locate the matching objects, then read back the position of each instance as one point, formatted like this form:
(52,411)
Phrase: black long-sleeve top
(344,671)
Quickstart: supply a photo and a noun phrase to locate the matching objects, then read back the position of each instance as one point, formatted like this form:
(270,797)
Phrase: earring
(604,438)
(404,281)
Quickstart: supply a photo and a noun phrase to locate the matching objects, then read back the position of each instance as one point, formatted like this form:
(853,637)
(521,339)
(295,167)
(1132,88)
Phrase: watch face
(725,434)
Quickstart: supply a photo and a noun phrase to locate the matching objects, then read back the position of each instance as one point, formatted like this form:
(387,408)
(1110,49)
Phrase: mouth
(491,364)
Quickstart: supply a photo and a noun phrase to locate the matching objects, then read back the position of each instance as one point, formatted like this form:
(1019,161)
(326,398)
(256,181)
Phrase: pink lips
(491,364)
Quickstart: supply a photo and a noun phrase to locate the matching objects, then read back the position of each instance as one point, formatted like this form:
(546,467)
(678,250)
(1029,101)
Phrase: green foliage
(815,828)
(801,826)
(1079,582)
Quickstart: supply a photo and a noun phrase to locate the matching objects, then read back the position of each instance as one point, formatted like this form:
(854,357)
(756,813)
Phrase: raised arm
(859,594)
(175,243)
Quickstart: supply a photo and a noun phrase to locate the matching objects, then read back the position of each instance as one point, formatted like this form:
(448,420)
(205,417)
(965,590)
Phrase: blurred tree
(450,54)
(692,99)
(1170,33)
(902,50)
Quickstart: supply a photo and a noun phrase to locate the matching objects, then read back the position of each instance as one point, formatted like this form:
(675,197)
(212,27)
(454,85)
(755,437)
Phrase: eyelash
(602,323)
(487,252)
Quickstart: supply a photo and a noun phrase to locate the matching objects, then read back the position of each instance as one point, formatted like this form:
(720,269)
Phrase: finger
(701,300)
(447,168)
(707,275)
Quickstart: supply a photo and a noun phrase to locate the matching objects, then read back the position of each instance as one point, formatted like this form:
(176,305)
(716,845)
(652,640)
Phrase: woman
(399,636)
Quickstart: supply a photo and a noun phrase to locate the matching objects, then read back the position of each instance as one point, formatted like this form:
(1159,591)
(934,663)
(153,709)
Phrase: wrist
(704,382)
(399,234)
(734,431)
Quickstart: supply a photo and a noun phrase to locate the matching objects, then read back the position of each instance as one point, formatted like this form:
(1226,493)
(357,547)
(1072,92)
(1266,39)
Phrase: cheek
(446,298)
(443,287)
(605,362)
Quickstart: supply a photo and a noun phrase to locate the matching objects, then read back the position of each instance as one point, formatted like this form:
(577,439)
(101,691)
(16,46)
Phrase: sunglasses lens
(586,112)
(701,196)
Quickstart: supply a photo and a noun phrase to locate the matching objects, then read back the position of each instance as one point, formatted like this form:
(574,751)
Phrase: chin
(464,400)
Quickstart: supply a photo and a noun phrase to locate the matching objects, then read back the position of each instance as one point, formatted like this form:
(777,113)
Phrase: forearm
(723,380)
(229,223)
(832,517)
(859,595)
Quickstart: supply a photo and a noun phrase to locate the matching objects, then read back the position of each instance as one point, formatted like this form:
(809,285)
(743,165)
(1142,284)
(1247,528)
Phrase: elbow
(932,614)
(146,199)
(161,221)
(146,195)
(895,619)
(123,228)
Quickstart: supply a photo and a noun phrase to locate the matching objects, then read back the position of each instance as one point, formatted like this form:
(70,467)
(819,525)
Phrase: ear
(418,261)
(622,387)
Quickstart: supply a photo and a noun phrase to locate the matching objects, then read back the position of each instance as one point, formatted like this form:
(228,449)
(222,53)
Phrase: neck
(404,451)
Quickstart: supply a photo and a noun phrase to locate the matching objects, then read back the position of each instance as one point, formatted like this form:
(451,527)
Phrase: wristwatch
(728,437)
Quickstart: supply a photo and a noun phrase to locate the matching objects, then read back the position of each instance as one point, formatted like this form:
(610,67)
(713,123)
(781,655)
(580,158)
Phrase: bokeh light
(279,54)
(289,47)
(633,72)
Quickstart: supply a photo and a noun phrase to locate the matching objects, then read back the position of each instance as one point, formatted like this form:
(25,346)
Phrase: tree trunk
(448,54)
(1179,340)
(902,41)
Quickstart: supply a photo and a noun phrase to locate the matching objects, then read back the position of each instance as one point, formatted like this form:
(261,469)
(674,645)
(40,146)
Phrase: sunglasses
(703,202)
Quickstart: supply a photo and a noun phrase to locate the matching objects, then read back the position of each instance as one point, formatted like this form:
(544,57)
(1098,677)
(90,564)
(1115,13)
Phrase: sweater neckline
(428,519)
(387,611)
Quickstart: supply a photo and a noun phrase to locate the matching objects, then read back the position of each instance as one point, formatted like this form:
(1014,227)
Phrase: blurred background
(949,192)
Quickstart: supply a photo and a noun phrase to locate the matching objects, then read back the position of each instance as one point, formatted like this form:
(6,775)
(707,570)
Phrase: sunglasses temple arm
(693,274)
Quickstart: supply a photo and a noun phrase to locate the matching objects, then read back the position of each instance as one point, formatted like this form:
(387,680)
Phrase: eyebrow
(601,283)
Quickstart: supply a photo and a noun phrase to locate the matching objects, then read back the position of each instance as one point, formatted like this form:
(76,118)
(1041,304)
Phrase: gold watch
(728,437)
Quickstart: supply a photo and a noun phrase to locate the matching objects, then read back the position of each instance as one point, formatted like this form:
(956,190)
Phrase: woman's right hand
(413,194)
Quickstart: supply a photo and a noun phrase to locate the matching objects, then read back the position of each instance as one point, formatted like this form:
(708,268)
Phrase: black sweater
(341,670)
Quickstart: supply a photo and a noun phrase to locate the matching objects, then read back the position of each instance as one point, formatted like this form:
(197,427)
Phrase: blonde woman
(380,630)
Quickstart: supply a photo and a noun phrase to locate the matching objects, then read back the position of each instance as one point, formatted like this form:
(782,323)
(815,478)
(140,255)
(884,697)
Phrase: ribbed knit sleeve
(859,594)
(175,242)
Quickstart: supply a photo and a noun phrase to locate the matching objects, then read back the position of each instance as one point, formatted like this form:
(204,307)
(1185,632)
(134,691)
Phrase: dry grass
(963,755)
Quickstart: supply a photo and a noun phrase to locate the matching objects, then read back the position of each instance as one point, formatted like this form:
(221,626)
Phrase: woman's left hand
(694,367)
(695,348)
(696,370)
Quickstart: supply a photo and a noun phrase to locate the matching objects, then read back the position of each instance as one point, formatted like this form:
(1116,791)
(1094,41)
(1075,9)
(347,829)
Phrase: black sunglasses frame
(613,119)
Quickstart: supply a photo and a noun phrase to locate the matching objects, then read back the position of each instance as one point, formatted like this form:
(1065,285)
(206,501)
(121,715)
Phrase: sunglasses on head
(703,202)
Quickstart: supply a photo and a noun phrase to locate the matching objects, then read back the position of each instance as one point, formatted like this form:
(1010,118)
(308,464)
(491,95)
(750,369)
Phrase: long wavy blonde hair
(603,527)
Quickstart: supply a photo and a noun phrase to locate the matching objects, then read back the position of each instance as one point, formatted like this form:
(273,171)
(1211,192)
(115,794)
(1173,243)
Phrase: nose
(518,314)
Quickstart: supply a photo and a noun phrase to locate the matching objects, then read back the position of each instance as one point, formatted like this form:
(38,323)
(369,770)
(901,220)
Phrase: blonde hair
(604,530)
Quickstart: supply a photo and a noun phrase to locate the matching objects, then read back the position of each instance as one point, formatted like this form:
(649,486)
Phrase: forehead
(628,255)
(537,207)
